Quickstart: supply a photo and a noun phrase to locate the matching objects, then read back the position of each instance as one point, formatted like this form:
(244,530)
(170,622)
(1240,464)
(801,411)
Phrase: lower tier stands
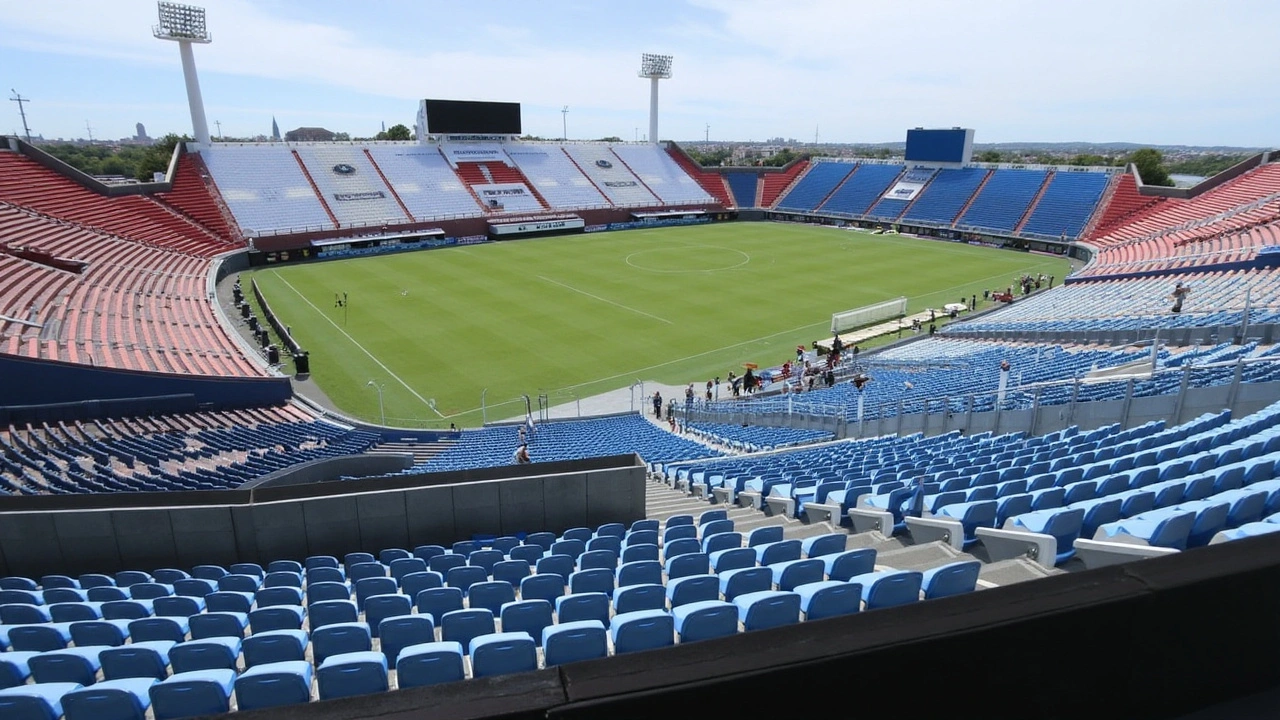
(266,189)
(1237,241)
(133,307)
(424,181)
(662,175)
(555,176)
(744,187)
(351,185)
(712,182)
(773,185)
(1003,200)
(1216,298)
(946,195)
(748,438)
(814,186)
(861,190)
(610,175)
(201,451)
(1067,204)
(565,440)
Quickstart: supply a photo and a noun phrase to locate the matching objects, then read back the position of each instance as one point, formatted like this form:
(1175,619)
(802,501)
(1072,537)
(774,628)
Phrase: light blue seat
(40,638)
(541,587)
(361,571)
(53,596)
(149,591)
(584,606)
(570,546)
(587,581)
(77,611)
(125,699)
(23,614)
(327,590)
(198,587)
(954,578)
(542,539)
(414,583)
(35,702)
(503,653)
(178,605)
(486,559)
(678,532)
(732,559)
(721,541)
(640,597)
(695,563)
(638,552)
(69,665)
(155,628)
(683,546)
(15,582)
(526,616)
(15,596)
(387,556)
(640,572)
(889,588)
(351,674)
(290,566)
(275,646)
(764,535)
(562,565)
(776,552)
(745,581)
(691,589)
(331,612)
(821,545)
(792,573)
(380,607)
(224,601)
(642,525)
(1170,528)
(148,659)
(1063,524)
(491,595)
(207,692)
(429,663)
(445,562)
(279,617)
(511,572)
(829,598)
(578,533)
(210,625)
(463,577)
(279,595)
(574,641)
(704,620)
(273,685)
(598,559)
(406,566)
(642,630)
(109,633)
(15,668)
(321,561)
(463,625)
(767,609)
(212,654)
(340,638)
(398,633)
(369,587)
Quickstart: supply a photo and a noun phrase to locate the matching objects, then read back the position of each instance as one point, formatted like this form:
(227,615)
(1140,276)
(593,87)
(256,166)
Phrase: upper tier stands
(712,182)
(425,182)
(26,183)
(555,176)
(1067,204)
(1126,205)
(772,185)
(134,307)
(944,197)
(1003,200)
(266,189)
(861,189)
(566,440)
(610,175)
(351,185)
(814,186)
(745,186)
(662,175)
(197,451)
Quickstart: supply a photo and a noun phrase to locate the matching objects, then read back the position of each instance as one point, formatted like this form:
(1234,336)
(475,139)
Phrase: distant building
(141,134)
(309,134)
(275,130)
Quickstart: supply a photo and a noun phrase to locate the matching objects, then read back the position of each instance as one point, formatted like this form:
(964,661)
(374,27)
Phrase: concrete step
(918,557)
(1015,570)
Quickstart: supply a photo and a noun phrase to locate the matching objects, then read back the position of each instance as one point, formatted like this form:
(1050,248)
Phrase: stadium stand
(663,176)
(351,185)
(266,189)
(555,176)
(1125,205)
(1003,200)
(194,194)
(774,185)
(1066,204)
(861,189)
(714,183)
(890,208)
(610,175)
(423,179)
(814,186)
(745,187)
(944,197)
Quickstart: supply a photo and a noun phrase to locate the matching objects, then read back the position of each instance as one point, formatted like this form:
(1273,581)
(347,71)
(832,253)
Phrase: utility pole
(815,134)
(17,97)
(219,124)
(564,123)
(708,137)
(89,130)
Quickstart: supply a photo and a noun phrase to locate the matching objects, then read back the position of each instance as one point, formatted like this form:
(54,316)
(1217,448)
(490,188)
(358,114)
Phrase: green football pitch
(584,314)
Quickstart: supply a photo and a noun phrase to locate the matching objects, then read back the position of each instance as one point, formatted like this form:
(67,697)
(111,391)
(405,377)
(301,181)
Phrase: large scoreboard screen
(954,145)
(459,117)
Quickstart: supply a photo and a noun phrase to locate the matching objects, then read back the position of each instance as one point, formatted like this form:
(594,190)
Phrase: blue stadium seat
(327,590)
(247,583)
(642,630)
(275,646)
(279,617)
(584,606)
(693,588)
(380,607)
(463,625)
(125,699)
(640,597)
(40,638)
(35,702)
(351,674)
(280,595)
(273,685)
(227,601)
(889,588)
(821,545)
(527,616)
(704,620)
(954,578)
(69,665)
(340,638)
(331,612)
(213,654)
(547,587)
(15,668)
(491,595)
(695,563)
(368,587)
(207,692)
(511,572)
(174,629)
(721,541)
(399,632)
(639,572)
(792,573)
(503,653)
(829,598)
(745,581)
(414,583)
(109,633)
(589,581)
(149,659)
(574,641)
(767,609)
(429,663)
(209,625)
(598,560)
(732,559)
(562,565)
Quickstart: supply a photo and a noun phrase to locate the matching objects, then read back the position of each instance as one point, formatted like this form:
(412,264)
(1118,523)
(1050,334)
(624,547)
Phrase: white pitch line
(604,300)
(357,344)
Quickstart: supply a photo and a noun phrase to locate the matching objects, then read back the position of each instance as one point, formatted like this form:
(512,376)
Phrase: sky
(1167,72)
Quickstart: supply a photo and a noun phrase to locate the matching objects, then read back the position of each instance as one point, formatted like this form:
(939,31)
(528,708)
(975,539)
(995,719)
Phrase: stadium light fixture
(185,24)
(655,67)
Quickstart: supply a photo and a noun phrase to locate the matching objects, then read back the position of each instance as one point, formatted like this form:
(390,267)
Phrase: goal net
(869,315)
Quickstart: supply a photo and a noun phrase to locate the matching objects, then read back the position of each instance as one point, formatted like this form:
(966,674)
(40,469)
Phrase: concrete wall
(351,517)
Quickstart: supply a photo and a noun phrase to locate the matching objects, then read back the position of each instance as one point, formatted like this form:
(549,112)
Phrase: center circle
(687,259)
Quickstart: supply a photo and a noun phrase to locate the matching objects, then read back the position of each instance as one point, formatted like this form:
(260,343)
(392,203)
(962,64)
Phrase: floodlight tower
(184,24)
(654,67)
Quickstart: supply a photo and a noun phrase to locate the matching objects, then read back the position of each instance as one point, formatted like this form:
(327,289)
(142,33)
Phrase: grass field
(584,314)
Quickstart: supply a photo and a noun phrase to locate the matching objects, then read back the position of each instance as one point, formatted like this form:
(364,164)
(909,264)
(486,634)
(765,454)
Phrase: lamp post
(655,68)
(185,24)
(564,123)
(382,410)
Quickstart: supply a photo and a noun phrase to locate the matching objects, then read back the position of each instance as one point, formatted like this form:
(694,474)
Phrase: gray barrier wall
(334,468)
(74,541)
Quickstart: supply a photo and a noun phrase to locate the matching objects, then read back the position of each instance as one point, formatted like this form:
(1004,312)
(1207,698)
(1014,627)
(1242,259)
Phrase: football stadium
(475,426)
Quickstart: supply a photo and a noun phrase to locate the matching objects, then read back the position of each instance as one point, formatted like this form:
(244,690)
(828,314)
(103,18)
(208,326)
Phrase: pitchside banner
(532,227)
(473,153)
(904,191)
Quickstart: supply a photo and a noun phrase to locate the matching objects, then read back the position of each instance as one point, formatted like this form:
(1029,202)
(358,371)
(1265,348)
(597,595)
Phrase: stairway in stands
(421,451)
(898,552)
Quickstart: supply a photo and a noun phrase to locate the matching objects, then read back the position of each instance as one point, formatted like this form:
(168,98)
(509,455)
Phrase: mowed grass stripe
(480,317)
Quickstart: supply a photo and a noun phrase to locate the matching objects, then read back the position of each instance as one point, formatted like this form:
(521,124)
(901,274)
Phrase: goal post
(868,315)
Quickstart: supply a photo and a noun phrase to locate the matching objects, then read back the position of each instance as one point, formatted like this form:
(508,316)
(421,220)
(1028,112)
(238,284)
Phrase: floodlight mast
(184,24)
(654,67)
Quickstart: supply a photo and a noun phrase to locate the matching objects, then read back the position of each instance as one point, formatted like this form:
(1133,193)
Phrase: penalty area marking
(745,259)
(357,344)
(604,300)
